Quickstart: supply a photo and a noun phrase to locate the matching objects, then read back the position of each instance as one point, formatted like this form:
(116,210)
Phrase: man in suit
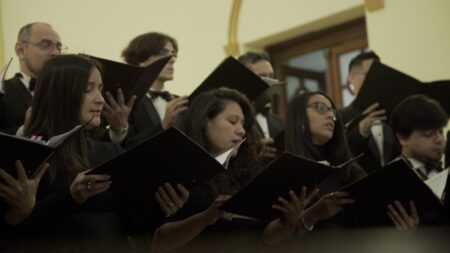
(270,124)
(158,110)
(418,123)
(36,43)
(370,135)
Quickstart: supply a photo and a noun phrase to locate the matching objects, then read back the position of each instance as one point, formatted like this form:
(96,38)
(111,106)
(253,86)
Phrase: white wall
(104,27)
(411,35)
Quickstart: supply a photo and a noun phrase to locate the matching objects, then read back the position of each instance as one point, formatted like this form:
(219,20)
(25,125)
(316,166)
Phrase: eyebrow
(318,101)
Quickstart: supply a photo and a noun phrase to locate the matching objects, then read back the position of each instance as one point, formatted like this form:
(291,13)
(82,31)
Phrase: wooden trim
(232,48)
(333,64)
(333,40)
(314,41)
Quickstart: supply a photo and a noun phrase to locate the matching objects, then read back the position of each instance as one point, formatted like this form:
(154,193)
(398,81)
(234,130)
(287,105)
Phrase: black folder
(389,86)
(233,75)
(396,181)
(133,80)
(287,172)
(169,156)
(31,153)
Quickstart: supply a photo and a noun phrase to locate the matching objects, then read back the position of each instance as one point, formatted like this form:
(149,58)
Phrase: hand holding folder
(287,172)
(395,182)
(33,154)
(388,86)
(170,156)
(133,80)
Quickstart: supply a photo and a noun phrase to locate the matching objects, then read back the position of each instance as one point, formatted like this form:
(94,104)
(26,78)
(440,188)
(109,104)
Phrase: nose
(240,130)
(99,99)
(54,51)
(331,115)
(173,59)
(440,137)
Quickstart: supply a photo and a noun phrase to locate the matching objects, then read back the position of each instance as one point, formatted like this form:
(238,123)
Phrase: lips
(96,112)
(330,126)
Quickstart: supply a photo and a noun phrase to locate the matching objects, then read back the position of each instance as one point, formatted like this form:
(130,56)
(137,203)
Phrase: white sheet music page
(437,182)
(224,158)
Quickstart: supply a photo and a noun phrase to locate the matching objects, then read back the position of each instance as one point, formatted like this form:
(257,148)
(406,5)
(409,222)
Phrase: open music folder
(133,80)
(388,86)
(287,172)
(169,156)
(32,153)
(232,74)
(396,181)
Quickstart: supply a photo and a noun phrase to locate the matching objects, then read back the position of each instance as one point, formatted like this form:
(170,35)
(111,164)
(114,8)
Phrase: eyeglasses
(47,45)
(322,108)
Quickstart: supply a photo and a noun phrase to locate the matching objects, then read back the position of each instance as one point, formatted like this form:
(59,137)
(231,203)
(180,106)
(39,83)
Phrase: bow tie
(163,94)
(32,84)
(428,168)
(433,166)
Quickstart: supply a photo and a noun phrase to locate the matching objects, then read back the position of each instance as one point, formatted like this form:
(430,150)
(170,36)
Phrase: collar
(415,163)
(25,80)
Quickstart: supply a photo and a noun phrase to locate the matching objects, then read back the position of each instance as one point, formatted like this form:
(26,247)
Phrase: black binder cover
(232,74)
(396,181)
(31,153)
(170,156)
(389,86)
(288,172)
(133,80)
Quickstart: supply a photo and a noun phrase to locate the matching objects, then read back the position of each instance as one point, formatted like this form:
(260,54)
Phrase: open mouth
(96,112)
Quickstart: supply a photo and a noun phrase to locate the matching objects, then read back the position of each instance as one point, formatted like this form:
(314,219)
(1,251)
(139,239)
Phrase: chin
(95,122)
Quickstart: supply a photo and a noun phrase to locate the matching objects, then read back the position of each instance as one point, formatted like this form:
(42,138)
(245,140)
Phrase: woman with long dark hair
(314,131)
(73,210)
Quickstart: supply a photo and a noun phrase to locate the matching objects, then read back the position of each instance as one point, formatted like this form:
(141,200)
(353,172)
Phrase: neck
(418,157)
(28,72)
(157,85)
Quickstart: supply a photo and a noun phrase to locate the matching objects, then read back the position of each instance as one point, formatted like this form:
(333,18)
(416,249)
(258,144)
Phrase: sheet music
(225,157)
(437,182)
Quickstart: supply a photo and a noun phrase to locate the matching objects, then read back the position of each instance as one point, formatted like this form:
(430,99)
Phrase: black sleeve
(53,206)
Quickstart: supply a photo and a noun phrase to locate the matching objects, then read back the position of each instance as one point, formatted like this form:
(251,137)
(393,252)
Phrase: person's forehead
(319,98)
(43,31)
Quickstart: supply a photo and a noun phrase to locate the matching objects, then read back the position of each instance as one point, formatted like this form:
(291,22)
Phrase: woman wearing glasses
(314,131)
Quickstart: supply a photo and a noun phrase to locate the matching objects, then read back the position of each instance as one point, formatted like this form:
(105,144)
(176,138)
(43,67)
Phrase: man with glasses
(36,43)
(158,109)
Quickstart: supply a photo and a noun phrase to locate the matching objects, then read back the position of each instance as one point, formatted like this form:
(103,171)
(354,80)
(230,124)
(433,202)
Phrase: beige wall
(408,34)
(413,36)
(104,27)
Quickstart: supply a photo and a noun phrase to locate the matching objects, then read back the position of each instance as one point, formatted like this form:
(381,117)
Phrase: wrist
(15,217)
(119,130)
(363,133)
(308,220)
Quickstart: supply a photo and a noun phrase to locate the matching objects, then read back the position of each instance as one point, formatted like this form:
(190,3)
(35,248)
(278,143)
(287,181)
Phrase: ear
(350,77)
(20,50)
(402,139)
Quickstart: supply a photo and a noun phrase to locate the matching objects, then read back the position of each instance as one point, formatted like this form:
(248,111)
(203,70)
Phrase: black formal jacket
(371,160)
(276,124)
(13,104)
(59,224)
